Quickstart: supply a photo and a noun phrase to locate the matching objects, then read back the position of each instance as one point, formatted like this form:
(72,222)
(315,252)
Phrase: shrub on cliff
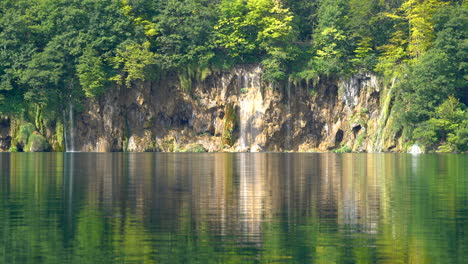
(447,128)
(23,134)
(36,143)
(229,125)
(194,148)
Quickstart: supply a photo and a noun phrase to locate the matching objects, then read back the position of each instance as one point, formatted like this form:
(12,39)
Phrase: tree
(248,29)
(419,15)
(331,46)
(185,33)
(439,73)
(91,73)
(134,59)
(448,124)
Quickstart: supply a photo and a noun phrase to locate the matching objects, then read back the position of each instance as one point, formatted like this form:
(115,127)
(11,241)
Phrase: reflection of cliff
(237,192)
(271,207)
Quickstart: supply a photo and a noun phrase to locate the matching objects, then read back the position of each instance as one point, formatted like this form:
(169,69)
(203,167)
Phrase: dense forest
(56,51)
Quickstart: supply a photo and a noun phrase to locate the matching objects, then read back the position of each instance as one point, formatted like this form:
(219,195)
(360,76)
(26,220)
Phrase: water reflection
(249,208)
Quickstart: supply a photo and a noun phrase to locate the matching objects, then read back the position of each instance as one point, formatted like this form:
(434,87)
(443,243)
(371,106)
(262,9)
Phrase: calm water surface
(233,208)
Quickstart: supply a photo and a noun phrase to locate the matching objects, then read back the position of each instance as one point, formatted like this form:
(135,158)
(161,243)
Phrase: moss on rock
(194,148)
(24,133)
(58,142)
(229,125)
(37,143)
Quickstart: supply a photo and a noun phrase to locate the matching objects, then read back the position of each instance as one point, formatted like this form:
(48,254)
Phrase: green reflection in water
(233,208)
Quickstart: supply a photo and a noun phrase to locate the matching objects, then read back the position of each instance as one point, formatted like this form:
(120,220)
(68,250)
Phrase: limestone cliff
(232,111)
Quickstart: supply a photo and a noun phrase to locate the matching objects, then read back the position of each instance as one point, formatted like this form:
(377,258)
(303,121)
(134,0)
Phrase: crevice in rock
(339,137)
(356,130)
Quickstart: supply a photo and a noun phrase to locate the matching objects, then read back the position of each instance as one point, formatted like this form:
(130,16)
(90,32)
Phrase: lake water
(233,208)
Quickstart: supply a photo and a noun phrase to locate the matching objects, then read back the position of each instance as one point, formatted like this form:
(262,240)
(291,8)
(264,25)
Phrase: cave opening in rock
(339,137)
(356,130)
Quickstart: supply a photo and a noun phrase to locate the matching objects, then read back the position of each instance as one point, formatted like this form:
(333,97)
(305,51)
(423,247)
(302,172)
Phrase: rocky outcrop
(5,135)
(233,111)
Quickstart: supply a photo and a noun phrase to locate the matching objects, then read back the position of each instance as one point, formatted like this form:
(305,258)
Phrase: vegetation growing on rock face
(194,148)
(229,125)
(36,143)
(58,140)
(24,134)
(447,128)
(342,149)
(54,51)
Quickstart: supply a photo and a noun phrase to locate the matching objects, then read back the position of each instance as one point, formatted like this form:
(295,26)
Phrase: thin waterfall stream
(69,129)
(65,138)
(72,129)
(251,107)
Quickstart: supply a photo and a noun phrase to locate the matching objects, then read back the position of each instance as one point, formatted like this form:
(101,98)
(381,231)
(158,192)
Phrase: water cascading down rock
(69,134)
(251,109)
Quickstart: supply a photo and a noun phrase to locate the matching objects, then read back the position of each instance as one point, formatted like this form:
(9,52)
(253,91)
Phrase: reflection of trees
(233,207)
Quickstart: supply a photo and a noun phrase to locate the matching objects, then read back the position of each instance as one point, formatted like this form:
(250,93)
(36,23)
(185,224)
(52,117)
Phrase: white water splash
(415,149)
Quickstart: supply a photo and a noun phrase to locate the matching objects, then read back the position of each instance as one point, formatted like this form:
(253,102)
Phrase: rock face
(233,111)
(5,137)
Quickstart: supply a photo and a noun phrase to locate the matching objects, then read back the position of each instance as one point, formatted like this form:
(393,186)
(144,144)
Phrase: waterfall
(251,107)
(72,129)
(383,118)
(68,129)
(65,138)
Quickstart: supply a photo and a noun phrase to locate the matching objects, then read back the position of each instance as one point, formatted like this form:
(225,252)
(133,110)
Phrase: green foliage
(342,149)
(305,17)
(432,69)
(248,29)
(440,72)
(134,59)
(46,49)
(447,125)
(59,144)
(451,35)
(419,15)
(413,35)
(91,74)
(185,30)
(13,149)
(36,143)
(192,73)
(427,83)
(330,37)
(194,148)
(230,120)
(460,136)
(25,131)
(360,139)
